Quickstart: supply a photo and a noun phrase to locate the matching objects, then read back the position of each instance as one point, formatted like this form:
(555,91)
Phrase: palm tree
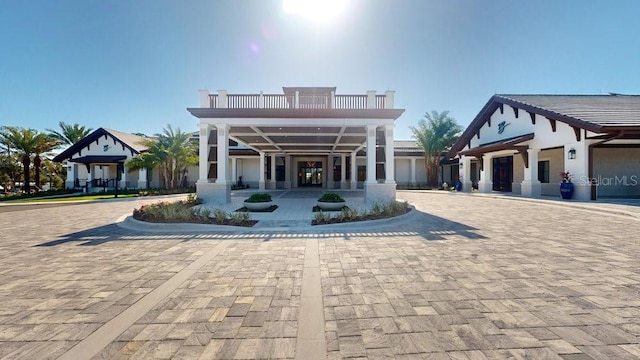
(69,134)
(171,152)
(435,133)
(23,142)
(44,144)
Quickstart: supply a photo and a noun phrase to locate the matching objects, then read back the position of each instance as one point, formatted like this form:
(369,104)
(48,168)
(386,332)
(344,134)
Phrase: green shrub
(237,218)
(331,197)
(259,197)
(321,217)
(220,215)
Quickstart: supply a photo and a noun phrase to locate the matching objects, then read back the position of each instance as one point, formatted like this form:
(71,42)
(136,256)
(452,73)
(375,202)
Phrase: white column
(123,180)
(287,171)
(297,100)
(530,186)
(223,101)
(371,154)
(234,170)
(262,170)
(343,171)
(354,171)
(579,169)
(142,179)
(203,163)
(223,153)
(389,98)
(371,99)
(389,163)
(71,175)
(272,179)
(261,101)
(204,98)
(465,170)
(413,171)
(485,185)
(328,171)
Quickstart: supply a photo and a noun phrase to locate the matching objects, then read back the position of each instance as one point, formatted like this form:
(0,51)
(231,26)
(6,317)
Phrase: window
(362,173)
(543,171)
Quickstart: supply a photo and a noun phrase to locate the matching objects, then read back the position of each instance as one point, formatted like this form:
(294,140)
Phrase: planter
(566,190)
(254,206)
(334,205)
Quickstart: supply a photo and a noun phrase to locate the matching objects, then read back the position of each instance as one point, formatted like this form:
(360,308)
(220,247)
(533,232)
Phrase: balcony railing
(223,100)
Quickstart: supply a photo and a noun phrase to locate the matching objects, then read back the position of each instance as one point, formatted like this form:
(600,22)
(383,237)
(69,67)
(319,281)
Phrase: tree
(435,133)
(25,143)
(69,134)
(44,144)
(171,152)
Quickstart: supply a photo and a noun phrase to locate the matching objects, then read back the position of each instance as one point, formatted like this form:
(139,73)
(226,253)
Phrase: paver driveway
(462,277)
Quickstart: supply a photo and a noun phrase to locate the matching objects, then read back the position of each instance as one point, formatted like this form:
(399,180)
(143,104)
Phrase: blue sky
(136,66)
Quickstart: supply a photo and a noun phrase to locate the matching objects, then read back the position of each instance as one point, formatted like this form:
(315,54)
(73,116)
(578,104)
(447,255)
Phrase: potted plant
(331,201)
(258,201)
(566,186)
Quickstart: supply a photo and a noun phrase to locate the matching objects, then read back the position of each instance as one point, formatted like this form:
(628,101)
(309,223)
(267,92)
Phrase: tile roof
(602,110)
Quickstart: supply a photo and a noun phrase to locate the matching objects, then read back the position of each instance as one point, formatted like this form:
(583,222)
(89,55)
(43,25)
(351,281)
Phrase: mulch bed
(317,209)
(360,218)
(271,208)
(210,221)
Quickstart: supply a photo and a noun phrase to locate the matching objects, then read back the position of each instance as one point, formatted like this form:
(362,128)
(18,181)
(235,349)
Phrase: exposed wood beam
(515,111)
(489,121)
(577,131)
(501,107)
(522,150)
(533,117)
(553,124)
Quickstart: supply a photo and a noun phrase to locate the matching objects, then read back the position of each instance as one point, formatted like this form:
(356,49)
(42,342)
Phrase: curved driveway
(462,277)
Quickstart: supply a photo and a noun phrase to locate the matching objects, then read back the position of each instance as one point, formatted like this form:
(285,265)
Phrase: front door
(502,173)
(310,173)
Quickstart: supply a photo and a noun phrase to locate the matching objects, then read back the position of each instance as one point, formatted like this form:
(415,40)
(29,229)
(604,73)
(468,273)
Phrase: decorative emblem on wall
(502,125)
(106,148)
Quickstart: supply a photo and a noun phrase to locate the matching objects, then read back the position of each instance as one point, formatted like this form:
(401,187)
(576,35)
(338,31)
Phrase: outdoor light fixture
(572,154)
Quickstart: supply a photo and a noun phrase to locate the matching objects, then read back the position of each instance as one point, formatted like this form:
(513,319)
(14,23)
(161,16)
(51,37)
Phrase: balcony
(298,99)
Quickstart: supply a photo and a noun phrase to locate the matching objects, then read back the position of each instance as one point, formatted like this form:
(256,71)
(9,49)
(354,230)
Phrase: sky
(136,65)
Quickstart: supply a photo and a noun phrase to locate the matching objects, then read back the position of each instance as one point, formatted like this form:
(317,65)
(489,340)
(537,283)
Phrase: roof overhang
(99,159)
(513,143)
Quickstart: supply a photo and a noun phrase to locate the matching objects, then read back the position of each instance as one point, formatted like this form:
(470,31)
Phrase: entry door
(310,173)
(502,173)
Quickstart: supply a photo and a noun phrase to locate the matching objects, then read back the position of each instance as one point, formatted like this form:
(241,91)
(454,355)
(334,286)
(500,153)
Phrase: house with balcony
(304,137)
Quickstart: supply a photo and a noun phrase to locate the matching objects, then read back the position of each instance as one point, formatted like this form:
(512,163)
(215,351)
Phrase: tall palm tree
(24,143)
(171,152)
(69,134)
(44,144)
(435,133)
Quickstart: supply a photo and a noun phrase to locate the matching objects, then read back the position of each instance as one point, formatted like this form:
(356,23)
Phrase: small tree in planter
(258,201)
(331,201)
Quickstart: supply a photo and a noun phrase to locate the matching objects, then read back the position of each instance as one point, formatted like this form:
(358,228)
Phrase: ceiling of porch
(301,140)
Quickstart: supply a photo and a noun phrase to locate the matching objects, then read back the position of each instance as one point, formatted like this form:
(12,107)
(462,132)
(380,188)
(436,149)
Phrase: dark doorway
(502,173)
(310,173)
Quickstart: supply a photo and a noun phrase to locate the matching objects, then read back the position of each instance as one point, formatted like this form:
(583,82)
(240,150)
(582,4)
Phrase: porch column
(142,179)
(234,170)
(389,164)
(223,154)
(579,169)
(329,171)
(354,171)
(485,185)
(412,180)
(262,170)
(72,173)
(203,158)
(90,171)
(272,179)
(465,166)
(530,186)
(287,171)
(343,171)
(123,180)
(371,154)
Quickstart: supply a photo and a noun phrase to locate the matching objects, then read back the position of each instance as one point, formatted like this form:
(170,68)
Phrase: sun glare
(314,10)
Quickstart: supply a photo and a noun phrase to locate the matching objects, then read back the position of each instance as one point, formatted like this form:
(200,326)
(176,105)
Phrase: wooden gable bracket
(478,134)
(522,150)
(123,148)
(515,111)
(114,141)
(501,106)
(533,117)
(553,124)
(576,130)
(489,121)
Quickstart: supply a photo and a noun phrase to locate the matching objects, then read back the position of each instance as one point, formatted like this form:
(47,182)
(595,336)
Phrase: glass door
(502,173)
(310,174)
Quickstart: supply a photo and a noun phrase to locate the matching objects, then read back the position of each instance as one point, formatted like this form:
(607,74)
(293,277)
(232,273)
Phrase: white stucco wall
(556,165)
(616,171)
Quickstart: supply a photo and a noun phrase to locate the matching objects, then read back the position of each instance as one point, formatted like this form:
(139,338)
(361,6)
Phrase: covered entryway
(502,173)
(310,174)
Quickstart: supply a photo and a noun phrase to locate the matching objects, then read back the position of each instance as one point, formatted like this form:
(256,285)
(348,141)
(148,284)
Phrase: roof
(596,113)
(96,159)
(130,141)
(602,110)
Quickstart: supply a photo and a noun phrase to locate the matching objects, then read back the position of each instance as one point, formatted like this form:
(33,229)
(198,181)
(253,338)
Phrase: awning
(96,159)
(506,144)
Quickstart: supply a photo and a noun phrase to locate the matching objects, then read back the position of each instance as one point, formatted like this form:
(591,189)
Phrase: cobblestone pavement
(462,277)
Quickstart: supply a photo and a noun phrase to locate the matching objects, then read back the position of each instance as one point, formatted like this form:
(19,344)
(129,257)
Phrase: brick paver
(463,277)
